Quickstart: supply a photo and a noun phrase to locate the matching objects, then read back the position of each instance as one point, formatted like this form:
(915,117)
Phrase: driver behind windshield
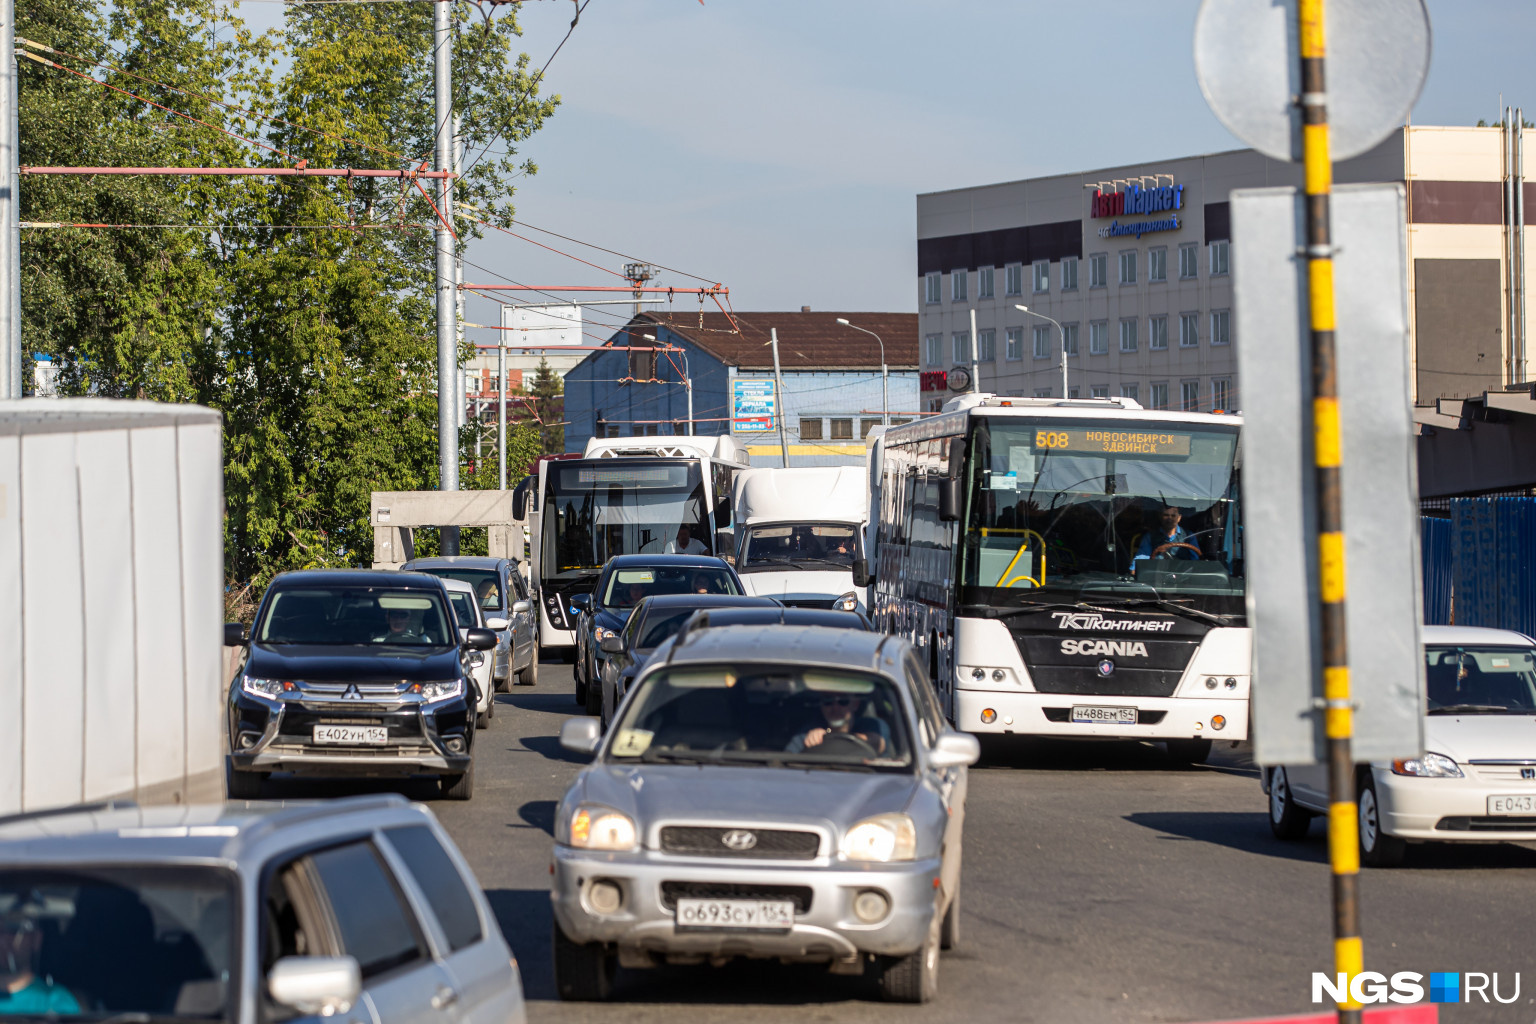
(400,629)
(839,714)
(22,989)
(1166,539)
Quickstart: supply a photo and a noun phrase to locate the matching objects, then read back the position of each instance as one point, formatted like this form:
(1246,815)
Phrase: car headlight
(885,837)
(849,602)
(441,690)
(601,828)
(1430,766)
(601,633)
(269,688)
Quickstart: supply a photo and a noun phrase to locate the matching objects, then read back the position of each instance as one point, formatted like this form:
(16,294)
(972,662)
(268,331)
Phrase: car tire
(530,675)
(504,684)
(1287,819)
(949,933)
(1187,753)
(583,970)
(913,978)
(244,785)
(1377,849)
(458,787)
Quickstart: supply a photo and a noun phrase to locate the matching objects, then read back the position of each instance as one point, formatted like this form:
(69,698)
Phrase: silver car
(785,792)
(508,607)
(357,910)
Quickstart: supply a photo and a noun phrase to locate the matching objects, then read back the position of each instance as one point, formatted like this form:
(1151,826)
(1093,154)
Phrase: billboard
(754,403)
(541,326)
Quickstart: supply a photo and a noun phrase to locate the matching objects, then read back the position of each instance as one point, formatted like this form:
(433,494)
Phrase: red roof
(807,341)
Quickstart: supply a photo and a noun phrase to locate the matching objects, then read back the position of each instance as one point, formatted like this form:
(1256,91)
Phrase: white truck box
(111,600)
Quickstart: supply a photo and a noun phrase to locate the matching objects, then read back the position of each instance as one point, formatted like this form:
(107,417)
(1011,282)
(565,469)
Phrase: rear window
(662,624)
(487,584)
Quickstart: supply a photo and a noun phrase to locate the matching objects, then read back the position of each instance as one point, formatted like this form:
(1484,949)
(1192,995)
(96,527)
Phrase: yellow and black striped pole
(1343,816)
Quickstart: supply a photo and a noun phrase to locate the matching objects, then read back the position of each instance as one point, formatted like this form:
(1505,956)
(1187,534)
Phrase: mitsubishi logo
(738,839)
(352,693)
(1528,773)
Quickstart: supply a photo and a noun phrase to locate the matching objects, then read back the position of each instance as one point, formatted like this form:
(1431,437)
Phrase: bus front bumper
(1054,714)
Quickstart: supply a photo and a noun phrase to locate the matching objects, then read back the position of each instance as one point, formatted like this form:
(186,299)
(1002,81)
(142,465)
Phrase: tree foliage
(302,308)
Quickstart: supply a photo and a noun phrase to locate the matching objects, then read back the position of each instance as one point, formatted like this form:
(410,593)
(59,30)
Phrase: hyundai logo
(738,839)
(1106,667)
(352,693)
(1528,773)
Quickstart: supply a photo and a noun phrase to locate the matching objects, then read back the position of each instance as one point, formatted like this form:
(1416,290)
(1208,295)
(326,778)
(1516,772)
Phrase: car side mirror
(861,576)
(234,634)
(954,750)
(581,735)
(317,986)
(611,645)
(581,603)
(496,623)
(521,607)
(479,638)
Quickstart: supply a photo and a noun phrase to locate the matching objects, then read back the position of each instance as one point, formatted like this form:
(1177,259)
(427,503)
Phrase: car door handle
(445,998)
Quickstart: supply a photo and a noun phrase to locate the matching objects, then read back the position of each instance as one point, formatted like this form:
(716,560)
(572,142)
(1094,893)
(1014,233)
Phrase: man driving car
(839,715)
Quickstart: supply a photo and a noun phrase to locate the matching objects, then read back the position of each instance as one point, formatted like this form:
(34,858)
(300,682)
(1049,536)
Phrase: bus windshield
(1097,510)
(594,510)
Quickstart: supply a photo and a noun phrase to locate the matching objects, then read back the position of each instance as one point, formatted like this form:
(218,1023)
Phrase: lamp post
(687,381)
(1062,334)
(885,373)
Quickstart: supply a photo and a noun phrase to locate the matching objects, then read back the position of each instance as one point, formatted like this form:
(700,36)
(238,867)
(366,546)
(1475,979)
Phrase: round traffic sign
(1248,64)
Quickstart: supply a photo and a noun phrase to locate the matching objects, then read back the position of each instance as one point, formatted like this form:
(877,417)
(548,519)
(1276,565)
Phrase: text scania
(1102,648)
(1408,987)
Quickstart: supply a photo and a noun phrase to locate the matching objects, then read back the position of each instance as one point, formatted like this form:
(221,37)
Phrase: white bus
(623,496)
(1072,568)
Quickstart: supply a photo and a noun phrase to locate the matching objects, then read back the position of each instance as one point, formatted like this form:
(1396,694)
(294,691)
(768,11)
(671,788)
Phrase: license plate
(775,915)
(1108,716)
(355,735)
(1523,804)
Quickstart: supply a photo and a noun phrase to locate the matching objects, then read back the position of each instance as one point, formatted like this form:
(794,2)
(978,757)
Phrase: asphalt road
(1099,884)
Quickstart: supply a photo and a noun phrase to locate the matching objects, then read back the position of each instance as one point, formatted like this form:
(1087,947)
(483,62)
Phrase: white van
(799,533)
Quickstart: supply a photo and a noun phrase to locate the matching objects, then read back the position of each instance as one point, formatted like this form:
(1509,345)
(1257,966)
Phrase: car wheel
(244,785)
(594,694)
(504,684)
(1188,752)
(530,675)
(583,970)
(913,978)
(949,935)
(1377,849)
(1286,819)
(458,787)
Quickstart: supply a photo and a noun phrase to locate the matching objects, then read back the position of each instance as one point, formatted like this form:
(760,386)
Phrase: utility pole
(449,395)
(975,374)
(778,401)
(501,410)
(10,210)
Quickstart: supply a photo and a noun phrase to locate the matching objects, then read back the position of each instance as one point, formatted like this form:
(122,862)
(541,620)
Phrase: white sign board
(541,326)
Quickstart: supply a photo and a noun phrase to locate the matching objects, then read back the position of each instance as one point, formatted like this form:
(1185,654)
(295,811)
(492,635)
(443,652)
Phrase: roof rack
(310,810)
(55,812)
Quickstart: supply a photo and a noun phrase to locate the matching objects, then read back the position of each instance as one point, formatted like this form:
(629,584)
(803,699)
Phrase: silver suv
(361,909)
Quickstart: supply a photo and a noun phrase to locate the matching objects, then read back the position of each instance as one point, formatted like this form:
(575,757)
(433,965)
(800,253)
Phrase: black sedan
(353,673)
(624,581)
(651,622)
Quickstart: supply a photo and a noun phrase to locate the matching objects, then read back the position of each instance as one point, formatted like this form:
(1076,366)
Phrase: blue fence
(1480,565)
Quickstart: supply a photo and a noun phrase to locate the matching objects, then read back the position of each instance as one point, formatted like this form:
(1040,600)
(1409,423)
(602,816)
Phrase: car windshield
(1480,680)
(787,716)
(628,585)
(95,943)
(799,545)
(487,585)
(355,615)
(463,609)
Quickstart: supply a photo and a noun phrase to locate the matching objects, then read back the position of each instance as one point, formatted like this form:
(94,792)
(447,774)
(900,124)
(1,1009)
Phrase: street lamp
(1061,333)
(687,381)
(885,373)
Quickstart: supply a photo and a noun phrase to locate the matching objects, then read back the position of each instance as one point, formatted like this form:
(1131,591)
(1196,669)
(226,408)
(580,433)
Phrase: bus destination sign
(1114,442)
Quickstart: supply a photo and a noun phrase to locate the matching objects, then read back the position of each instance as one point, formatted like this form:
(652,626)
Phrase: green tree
(546,408)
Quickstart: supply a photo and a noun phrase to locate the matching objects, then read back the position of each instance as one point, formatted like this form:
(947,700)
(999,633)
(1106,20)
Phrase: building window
(1069,338)
(1157,264)
(962,347)
(1098,270)
(842,430)
(932,292)
(1013,278)
(1128,267)
(1042,277)
(1160,395)
(1098,337)
(897,421)
(1073,391)
(494,384)
(1221,327)
(957,289)
(1127,335)
(1157,333)
(679,428)
(642,359)
(984,283)
(986,346)
(1189,330)
(935,405)
(1069,274)
(1221,395)
(1219,258)
(1130,391)
(933,350)
(865,426)
(1013,344)
(652,429)
(810,429)
(1189,395)
(1099,391)
(1042,342)
(1189,261)
(1042,392)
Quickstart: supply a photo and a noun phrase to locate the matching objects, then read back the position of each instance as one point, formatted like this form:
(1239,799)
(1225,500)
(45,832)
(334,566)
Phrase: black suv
(353,673)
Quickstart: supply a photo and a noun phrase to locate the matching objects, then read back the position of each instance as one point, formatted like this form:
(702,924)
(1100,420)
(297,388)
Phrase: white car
(466,609)
(1475,782)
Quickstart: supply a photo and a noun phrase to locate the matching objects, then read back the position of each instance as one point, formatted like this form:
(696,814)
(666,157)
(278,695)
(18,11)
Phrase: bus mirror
(949,486)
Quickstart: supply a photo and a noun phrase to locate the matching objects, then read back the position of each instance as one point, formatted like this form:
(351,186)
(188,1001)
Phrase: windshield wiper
(1175,605)
(836,766)
(1477,709)
(828,561)
(674,757)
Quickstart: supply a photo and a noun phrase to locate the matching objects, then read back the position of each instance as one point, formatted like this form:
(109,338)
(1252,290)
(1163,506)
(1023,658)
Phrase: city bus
(1070,568)
(623,496)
